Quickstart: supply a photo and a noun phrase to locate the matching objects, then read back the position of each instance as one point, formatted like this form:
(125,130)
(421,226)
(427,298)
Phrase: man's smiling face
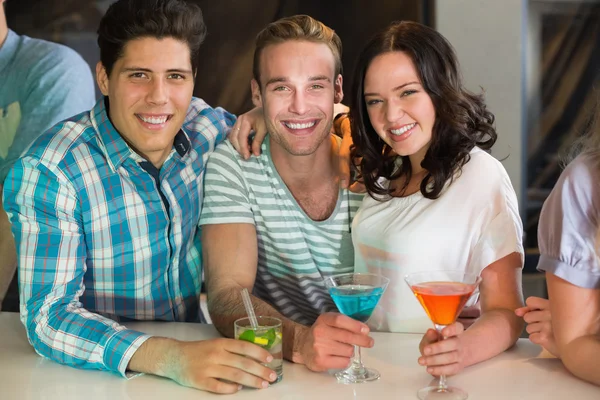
(299,88)
(150,89)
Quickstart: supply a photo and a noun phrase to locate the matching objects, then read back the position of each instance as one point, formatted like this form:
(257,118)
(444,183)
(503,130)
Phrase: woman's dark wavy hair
(462,119)
(127,20)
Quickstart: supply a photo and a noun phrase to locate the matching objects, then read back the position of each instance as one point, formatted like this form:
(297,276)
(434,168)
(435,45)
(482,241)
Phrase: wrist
(169,364)
(301,332)
(465,354)
(157,356)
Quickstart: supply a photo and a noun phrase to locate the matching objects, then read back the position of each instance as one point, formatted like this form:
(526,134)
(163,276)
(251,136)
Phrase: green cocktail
(267,335)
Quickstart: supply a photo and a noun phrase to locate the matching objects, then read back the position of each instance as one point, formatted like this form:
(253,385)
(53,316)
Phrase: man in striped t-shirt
(278,224)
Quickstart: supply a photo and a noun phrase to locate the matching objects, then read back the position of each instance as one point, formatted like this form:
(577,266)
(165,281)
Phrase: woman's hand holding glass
(443,357)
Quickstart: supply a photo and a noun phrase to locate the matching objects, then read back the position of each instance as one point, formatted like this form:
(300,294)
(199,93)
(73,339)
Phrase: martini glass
(356,295)
(443,294)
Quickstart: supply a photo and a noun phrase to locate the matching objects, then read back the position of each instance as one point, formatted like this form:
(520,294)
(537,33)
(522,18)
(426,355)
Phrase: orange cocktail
(442,294)
(442,301)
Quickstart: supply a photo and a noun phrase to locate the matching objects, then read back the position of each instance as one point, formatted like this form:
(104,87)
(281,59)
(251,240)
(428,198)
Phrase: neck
(3,26)
(157,159)
(306,170)
(415,164)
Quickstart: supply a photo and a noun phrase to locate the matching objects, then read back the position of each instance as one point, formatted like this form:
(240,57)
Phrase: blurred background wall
(226,67)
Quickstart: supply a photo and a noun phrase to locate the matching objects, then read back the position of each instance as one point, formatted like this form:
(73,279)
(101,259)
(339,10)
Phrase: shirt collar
(115,147)
(182,143)
(9,49)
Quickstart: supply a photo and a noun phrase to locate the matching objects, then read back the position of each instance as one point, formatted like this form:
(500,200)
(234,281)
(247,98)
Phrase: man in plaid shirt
(105,209)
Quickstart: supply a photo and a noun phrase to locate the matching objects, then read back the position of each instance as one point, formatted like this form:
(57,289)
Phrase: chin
(303,151)
(401,151)
(405,151)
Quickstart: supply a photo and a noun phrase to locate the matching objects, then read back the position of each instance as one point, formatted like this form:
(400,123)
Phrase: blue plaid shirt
(97,242)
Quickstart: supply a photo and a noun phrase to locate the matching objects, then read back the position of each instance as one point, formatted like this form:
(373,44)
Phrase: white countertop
(524,372)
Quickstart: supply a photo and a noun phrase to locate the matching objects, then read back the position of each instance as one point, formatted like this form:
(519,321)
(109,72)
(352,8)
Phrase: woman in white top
(437,199)
(569,240)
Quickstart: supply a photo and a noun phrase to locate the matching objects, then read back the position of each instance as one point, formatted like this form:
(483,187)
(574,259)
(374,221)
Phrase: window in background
(563,76)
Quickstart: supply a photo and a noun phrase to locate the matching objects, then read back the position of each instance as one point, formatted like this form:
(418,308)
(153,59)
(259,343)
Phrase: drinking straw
(249,309)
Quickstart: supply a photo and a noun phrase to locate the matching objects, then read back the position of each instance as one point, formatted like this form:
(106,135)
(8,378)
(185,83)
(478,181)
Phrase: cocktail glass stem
(357,366)
(356,371)
(442,385)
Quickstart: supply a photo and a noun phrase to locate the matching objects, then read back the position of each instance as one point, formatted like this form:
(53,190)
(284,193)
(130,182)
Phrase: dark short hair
(462,120)
(297,27)
(127,20)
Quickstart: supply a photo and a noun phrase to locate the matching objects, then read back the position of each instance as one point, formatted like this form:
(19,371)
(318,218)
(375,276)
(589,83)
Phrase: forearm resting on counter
(496,331)
(582,358)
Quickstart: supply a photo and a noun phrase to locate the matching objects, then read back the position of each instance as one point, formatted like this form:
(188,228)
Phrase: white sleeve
(568,232)
(502,229)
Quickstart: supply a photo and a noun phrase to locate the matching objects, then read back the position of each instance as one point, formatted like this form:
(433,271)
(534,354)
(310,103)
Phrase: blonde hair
(297,27)
(589,142)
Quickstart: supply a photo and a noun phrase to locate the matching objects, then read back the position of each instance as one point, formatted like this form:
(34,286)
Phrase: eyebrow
(172,70)
(394,89)
(311,79)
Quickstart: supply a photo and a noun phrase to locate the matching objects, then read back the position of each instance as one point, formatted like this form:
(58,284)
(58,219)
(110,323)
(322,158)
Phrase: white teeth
(154,120)
(404,129)
(300,126)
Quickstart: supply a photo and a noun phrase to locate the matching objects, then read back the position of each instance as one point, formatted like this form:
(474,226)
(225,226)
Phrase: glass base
(349,376)
(435,392)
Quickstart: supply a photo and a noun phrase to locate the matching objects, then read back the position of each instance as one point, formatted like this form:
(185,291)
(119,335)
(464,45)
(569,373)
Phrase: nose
(299,104)
(394,112)
(158,93)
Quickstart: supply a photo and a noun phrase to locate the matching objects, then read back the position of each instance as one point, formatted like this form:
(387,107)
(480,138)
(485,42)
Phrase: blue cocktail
(356,295)
(356,301)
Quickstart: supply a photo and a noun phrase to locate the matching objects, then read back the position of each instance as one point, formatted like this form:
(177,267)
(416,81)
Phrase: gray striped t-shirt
(295,253)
